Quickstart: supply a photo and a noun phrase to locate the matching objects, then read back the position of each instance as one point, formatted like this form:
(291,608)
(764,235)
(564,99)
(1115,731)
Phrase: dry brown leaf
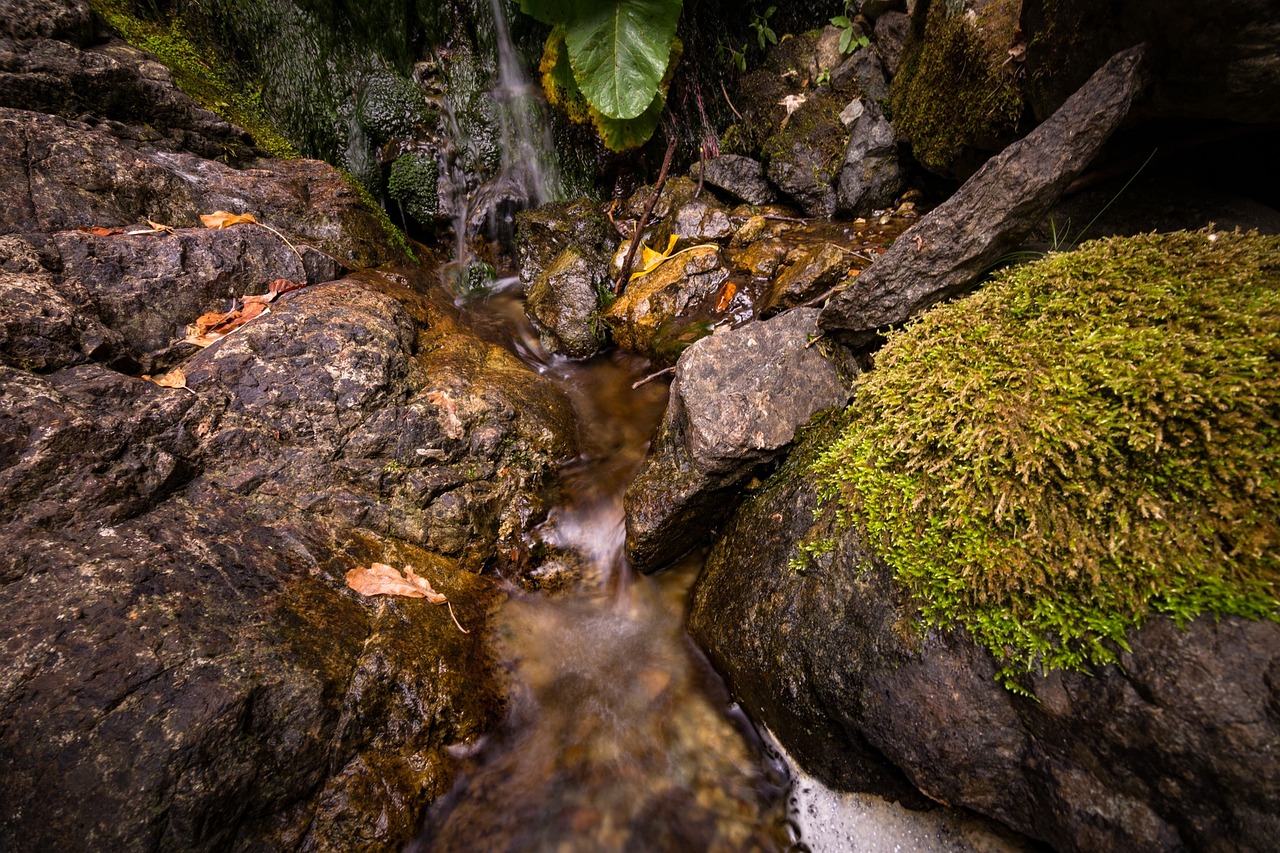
(173,379)
(223,219)
(99,231)
(381,579)
(160,226)
(204,340)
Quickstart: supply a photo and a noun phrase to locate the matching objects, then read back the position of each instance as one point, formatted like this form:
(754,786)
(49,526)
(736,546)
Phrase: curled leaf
(173,379)
(726,296)
(382,579)
(223,219)
(650,259)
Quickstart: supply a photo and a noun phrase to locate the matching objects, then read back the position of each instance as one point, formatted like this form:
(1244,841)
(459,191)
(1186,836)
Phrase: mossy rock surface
(1090,439)
(954,93)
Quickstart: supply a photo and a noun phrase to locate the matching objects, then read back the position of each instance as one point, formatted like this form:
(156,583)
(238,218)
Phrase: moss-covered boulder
(955,95)
(1065,485)
(414,185)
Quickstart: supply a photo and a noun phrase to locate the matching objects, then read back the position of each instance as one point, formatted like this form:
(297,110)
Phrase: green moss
(197,72)
(953,92)
(413,184)
(391,106)
(394,234)
(1088,440)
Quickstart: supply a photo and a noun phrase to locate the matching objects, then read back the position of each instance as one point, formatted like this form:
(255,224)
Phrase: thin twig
(455,618)
(729,102)
(775,218)
(652,376)
(286,242)
(648,211)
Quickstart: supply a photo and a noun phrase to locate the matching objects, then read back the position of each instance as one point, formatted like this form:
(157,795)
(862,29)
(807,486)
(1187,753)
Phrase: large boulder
(737,399)
(186,666)
(949,249)
(1168,750)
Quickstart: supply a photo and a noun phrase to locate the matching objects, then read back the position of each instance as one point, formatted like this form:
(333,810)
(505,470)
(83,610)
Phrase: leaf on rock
(726,296)
(99,231)
(223,219)
(381,579)
(173,379)
(651,259)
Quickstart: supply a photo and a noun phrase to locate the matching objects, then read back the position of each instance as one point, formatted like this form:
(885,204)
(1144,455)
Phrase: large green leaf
(622,134)
(619,50)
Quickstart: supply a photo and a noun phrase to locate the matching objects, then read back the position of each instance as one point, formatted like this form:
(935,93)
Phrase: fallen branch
(652,376)
(644,220)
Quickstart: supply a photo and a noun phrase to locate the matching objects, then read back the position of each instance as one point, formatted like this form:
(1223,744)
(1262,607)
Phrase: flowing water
(619,736)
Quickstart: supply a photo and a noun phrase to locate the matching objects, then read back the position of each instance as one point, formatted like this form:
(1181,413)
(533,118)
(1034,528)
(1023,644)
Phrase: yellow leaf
(650,260)
(223,219)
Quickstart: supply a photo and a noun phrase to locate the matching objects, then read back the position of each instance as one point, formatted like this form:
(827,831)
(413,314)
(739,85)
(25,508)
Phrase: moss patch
(952,92)
(1090,439)
(198,73)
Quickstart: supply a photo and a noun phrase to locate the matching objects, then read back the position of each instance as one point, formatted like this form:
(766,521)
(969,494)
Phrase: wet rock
(761,258)
(662,313)
(890,35)
(545,232)
(1217,62)
(741,177)
(149,288)
(69,20)
(736,402)
(117,83)
(874,9)
(944,254)
(871,176)
(810,272)
(864,71)
(1137,757)
(564,302)
(82,176)
(701,221)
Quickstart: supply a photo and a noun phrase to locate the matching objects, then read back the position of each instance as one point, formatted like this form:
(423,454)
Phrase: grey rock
(1172,749)
(874,9)
(741,177)
(890,34)
(866,72)
(702,221)
(871,176)
(944,254)
(69,20)
(564,303)
(117,83)
(737,399)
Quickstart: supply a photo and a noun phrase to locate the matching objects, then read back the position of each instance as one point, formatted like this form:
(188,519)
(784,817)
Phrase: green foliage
(620,53)
(953,92)
(197,72)
(413,184)
(760,23)
(731,56)
(1089,439)
(394,234)
(851,37)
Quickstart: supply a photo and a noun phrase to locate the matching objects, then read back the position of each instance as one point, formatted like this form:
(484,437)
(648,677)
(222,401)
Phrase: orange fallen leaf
(726,296)
(99,231)
(224,219)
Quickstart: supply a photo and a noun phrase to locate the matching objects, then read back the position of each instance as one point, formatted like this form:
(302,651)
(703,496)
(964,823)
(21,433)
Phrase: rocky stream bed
(204,431)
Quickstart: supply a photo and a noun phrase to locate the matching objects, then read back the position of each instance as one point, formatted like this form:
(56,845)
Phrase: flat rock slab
(947,252)
(736,402)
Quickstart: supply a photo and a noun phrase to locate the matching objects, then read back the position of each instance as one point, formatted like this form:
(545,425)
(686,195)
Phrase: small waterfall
(528,157)
(504,137)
